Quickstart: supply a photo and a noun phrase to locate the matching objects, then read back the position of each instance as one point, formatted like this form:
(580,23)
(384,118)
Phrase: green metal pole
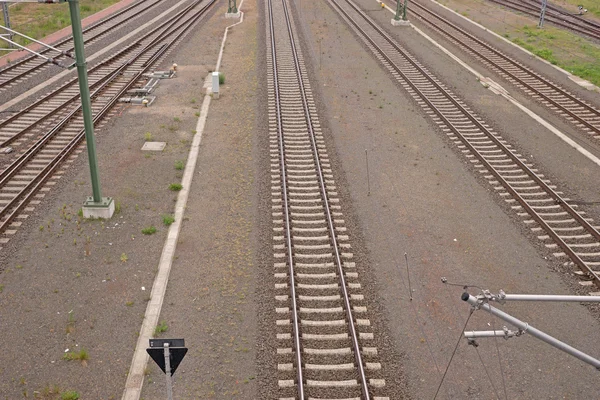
(404,11)
(232,8)
(398,8)
(86,104)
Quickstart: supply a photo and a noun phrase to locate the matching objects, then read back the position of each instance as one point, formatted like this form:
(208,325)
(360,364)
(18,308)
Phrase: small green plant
(179,165)
(80,212)
(193,101)
(175,187)
(19,266)
(149,231)
(117,207)
(221,78)
(124,257)
(47,390)
(41,228)
(137,207)
(176,119)
(81,355)
(1,288)
(129,303)
(197,114)
(148,137)
(161,328)
(168,219)
(69,395)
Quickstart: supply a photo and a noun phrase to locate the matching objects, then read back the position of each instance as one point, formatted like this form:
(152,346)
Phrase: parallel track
(576,111)
(559,225)
(554,15)
(17,71)
(21,181)
(325,348)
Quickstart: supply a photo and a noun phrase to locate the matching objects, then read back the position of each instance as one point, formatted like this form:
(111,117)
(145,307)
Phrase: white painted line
(225,36)
(498,89)
(135,378)
(44,86)
(580,81)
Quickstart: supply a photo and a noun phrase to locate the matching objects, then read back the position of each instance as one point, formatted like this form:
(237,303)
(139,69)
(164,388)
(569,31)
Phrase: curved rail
(567,227)
(113,87)
(561,19)
(583,115)
(22,68)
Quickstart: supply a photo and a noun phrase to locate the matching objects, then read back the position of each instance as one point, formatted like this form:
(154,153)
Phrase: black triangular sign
(176,354)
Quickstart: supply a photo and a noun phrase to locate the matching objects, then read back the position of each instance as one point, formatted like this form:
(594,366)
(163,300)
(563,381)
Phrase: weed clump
(149,231)
(168,219)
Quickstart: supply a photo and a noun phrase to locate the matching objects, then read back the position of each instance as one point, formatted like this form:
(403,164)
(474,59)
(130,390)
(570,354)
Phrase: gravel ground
(211,299)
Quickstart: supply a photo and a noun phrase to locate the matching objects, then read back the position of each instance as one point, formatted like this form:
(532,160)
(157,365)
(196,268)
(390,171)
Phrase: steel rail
(290,255)
(66,40)
(514,64)
(557,13)
(52,94)
(574,257)
(161,29)
(344,288)
(45,174)
(549,18)
(56,91)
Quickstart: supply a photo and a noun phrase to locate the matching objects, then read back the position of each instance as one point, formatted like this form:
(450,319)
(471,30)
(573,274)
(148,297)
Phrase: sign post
(167,354)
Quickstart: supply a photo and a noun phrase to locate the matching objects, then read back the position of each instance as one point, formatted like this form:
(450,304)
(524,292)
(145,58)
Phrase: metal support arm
(479,303)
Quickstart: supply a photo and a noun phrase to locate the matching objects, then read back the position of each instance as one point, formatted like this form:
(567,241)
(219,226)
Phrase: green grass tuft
(149,231)
(81,355)
(69,395)
(162,327)
(168,219)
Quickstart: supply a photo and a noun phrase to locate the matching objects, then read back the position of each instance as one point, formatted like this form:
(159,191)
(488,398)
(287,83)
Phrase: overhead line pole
(95,206)
(542,13)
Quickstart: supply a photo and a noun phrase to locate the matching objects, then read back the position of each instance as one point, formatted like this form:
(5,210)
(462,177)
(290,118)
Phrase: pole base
(400,22)
(104,209)
(233,14)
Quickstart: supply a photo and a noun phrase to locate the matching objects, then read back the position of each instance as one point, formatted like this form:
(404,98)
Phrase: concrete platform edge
(135,377)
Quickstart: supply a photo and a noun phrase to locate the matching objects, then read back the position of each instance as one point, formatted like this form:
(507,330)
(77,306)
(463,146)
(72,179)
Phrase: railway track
(554,15)
(19,70)
(584,116)
(27,175)
(325,344)
(563,228)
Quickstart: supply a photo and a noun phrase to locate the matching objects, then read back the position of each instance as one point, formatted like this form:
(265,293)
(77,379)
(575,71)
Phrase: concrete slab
(400,22)
(105,209)
(154,146)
